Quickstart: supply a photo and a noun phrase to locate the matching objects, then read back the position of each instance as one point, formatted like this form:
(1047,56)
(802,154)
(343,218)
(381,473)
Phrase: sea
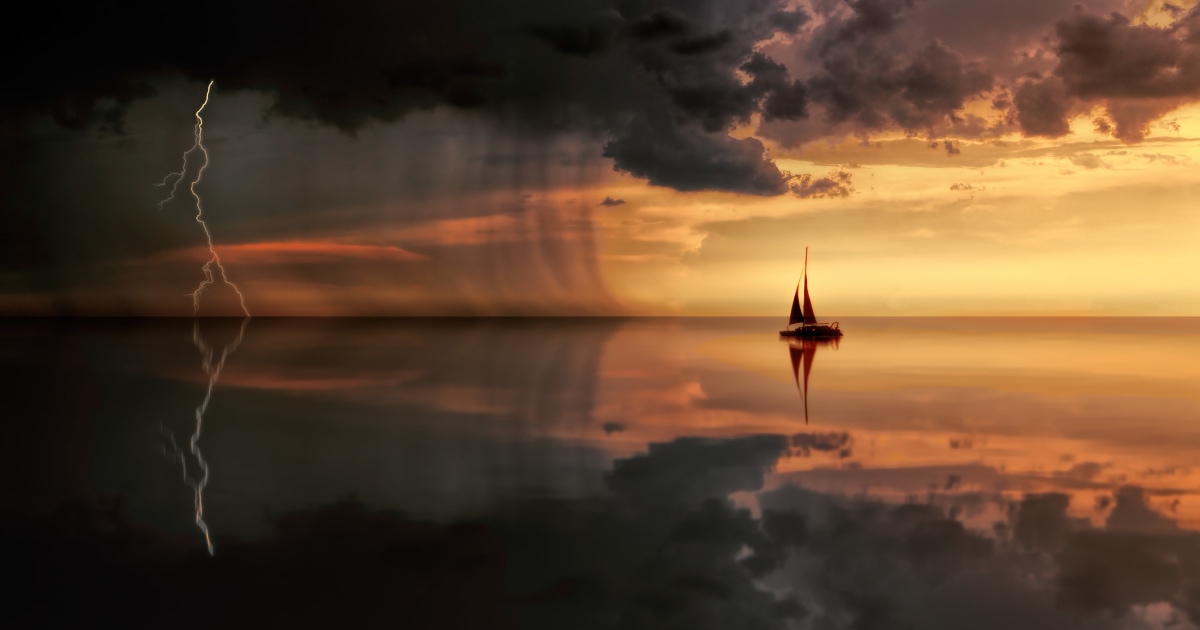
(601,473)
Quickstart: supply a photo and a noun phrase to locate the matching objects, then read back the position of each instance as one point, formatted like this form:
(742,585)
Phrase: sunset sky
(609,157)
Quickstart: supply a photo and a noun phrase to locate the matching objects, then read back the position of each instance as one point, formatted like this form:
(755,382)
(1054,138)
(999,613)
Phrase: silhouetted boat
(809,327)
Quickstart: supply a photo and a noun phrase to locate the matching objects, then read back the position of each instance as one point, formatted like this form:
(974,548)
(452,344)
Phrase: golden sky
(1081,225)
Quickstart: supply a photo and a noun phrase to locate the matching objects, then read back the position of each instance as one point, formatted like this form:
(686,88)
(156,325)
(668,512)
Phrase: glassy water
(643,473)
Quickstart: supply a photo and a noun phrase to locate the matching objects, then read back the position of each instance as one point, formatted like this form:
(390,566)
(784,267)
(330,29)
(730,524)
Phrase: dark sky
(369,125)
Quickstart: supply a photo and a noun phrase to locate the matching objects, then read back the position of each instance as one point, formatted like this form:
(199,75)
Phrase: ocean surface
(602,473)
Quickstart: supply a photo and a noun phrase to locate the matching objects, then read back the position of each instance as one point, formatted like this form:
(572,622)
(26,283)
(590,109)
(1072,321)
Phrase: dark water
(950,473)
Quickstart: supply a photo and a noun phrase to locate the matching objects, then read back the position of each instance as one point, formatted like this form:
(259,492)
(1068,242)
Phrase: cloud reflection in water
(487,469)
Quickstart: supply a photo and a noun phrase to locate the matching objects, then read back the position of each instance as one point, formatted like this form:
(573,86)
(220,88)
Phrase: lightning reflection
(174,179)
(173,451)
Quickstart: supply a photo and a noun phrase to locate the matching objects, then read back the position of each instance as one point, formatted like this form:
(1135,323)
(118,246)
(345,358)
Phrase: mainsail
(810,318)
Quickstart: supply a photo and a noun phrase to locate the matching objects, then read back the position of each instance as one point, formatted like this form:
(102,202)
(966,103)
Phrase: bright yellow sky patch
(1079,225)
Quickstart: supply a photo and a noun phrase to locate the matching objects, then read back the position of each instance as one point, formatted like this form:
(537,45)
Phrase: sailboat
(809,327)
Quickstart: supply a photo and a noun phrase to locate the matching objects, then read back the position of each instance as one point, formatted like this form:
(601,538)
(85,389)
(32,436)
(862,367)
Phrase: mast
(810,318)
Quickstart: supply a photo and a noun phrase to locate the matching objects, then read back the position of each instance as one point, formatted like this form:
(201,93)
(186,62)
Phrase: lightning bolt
(213,370)
(174,179)
(207,352)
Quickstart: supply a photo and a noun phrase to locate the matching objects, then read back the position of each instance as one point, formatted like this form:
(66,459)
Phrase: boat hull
(812,332)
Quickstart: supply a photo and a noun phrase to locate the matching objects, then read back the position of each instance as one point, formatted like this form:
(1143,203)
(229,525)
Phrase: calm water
(950,473)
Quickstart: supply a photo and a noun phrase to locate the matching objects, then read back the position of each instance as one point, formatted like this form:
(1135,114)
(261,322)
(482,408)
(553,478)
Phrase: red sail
(810,318)
(802,353)
(796,315)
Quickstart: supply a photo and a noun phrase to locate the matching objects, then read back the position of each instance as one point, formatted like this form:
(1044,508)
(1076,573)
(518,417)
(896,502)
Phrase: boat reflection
(802,350)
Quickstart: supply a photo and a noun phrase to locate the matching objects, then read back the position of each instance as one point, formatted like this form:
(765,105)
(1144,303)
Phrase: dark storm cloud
(868,75)
(690,69)
(544,65)
(1003,31)
(1136,72)
(879,65)
(688,159)
(341,64)
(1106,57)
(672,87)
(1043,108)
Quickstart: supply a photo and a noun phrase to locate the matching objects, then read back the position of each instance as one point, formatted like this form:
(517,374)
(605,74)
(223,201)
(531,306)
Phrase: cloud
(803,444)
(835,184)
(1139,558)
(1088,161)
(1043,108)
(692,70)
(292,252)
(696,67)
(1137,72)
(914,565)
(690,159)
(1042,521)
(867,78)
(668,86)
(1083,471)
(664,547)
(691,470)
(1110,57)
(1132,513)
(609,201)
(544,66)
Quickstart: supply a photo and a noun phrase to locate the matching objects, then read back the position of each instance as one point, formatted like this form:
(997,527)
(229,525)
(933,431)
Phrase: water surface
(656,473)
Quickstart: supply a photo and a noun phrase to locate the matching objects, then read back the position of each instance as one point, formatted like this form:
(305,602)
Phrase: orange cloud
(286,252)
